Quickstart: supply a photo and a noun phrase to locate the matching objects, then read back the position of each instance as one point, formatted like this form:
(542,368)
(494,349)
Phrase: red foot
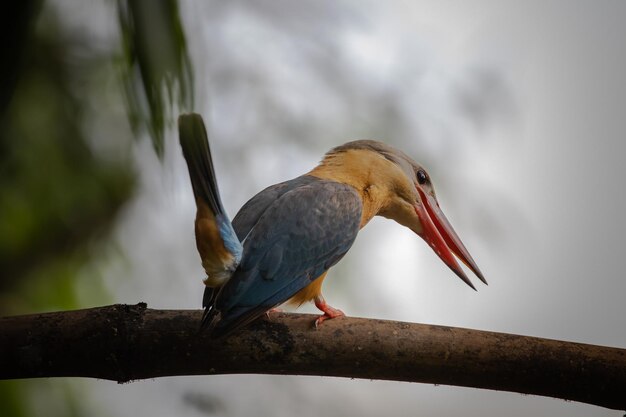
(329,312)
(273,310)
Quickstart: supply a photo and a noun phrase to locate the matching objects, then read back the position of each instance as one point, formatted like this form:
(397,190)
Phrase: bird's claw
(330,313)
(272,310)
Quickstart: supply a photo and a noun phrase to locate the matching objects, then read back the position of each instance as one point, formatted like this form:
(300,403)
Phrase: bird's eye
(421,177)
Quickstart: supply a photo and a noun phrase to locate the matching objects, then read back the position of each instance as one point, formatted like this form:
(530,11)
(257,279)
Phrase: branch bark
(130,342)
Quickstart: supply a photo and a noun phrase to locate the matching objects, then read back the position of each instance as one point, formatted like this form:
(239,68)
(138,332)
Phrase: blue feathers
(294,232)
(231,241)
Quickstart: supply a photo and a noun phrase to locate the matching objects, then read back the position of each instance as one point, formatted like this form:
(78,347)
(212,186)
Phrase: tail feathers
(219,325)
(194,141)
(217,242)
(209,296)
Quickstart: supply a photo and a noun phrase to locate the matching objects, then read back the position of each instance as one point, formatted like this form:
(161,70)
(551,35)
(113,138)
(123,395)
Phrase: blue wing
(297,231)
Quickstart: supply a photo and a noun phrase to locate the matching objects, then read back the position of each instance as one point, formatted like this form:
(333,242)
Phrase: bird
(282,242)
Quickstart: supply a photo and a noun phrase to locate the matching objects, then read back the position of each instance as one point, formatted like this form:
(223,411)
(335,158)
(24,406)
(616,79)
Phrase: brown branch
(125,343)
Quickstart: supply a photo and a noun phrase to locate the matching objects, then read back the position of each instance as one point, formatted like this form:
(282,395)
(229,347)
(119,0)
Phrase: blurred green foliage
(157,71)
(59,193)
(12,398)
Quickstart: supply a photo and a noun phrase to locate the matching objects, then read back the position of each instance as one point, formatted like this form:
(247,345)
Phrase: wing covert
(301,234)
(252,211)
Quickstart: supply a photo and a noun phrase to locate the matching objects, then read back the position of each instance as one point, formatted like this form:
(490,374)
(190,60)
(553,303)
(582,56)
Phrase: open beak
(442,238)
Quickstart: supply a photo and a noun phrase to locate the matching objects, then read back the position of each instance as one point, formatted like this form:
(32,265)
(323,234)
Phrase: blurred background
(518,110)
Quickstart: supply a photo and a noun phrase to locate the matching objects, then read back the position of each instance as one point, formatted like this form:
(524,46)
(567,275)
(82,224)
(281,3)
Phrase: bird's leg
(329,312)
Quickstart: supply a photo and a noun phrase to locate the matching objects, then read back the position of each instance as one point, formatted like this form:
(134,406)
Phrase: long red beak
(442,238)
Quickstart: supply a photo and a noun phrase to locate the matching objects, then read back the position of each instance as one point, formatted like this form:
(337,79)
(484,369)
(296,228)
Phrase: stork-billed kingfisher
(282,242)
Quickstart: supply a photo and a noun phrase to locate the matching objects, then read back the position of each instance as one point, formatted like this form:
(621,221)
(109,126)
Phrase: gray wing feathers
(250,213)
(300,234)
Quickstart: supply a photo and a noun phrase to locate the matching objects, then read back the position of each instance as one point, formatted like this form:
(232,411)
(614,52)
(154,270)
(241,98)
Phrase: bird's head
(406,194)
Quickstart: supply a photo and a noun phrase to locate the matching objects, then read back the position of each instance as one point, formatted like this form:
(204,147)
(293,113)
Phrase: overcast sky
(518,109)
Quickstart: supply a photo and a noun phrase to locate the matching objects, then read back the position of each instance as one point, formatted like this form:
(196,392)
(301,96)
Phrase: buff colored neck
(362,170)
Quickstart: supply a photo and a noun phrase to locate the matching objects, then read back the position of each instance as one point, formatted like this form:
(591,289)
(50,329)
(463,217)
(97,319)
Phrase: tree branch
(125,343)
